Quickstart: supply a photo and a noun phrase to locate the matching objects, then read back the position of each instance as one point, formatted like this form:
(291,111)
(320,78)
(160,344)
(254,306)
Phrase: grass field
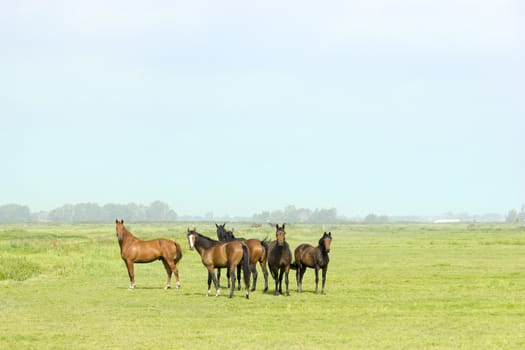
(388,287)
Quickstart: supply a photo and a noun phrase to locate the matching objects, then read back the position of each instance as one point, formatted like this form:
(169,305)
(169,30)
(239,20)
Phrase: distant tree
(376,219)
(323,215)
(291,214)
(136,212)
(14,213)
(83,212)
(62,214)
(512,216)
(160,211)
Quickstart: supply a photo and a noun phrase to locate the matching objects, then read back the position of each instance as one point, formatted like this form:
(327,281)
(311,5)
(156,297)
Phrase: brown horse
(316,258)
(134,250)
(221,254)
(279,260)
(258,253)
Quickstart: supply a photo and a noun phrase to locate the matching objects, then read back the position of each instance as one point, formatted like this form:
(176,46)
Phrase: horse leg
(232,277)
(265,274)
(324,279)
(281,273)
(219,276)
(175,270)
(286,272)
(275,275)
(239,276)
(129,266)
(253,268)
(298,278)
(316,279)
(176,273)
(168,272)
(212,277)
(209,283)
(300,274)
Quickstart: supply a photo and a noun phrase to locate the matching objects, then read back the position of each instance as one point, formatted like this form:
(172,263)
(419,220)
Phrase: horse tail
(264,243)
(178,254)
(246,266)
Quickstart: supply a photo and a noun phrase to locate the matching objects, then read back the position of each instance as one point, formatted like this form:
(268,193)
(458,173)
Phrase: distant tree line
(375,219)
(514,216)
(291,214)
(14,213)
(90,212)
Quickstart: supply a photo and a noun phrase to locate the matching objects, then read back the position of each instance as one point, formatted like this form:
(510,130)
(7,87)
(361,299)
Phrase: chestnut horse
(279,260)
(221,254)
(316,258)
(134,250)
(258,253)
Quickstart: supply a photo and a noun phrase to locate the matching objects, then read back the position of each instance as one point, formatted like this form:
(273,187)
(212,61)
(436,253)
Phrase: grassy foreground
(388,286)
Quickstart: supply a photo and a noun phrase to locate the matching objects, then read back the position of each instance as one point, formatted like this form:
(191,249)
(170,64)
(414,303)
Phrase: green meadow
(399,286)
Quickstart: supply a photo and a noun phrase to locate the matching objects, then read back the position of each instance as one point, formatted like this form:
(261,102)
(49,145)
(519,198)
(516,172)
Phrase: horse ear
(116,221)
(283,227)
(276,226)
(216,225)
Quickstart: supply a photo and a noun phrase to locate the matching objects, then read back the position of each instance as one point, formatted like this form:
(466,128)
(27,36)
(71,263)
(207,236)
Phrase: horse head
(224,235)
(280,234)
(120,229)
(221,232)
(192,237)
(326,241)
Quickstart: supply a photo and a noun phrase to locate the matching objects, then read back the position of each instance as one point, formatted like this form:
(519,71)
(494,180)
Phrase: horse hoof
(167,287)
(177,285)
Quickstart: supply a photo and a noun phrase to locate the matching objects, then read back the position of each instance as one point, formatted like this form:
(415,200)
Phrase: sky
(394,107)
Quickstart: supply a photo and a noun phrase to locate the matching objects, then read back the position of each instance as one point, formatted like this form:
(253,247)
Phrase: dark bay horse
(316,258)
(134,250)
(258,253)
(226,236)
(279,259)
(221,254)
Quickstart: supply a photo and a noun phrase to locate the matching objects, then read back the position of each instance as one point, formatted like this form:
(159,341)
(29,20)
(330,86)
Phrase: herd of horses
(235,254)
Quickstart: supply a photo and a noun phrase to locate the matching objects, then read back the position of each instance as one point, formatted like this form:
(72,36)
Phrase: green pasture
(397,286)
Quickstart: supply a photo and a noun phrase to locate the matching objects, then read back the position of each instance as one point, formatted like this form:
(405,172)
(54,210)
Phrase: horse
(279,260)
(226,236)
(317,258)
(134,250)
(221,254)
(258,253)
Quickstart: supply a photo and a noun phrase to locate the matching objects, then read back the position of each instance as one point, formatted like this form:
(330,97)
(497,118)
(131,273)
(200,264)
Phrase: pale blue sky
(391,107)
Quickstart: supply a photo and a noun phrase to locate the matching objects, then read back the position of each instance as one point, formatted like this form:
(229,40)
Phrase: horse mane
(206,237)
(208,242)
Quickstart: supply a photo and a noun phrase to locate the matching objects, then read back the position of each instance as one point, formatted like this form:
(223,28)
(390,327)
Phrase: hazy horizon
(385,107)
(212,215)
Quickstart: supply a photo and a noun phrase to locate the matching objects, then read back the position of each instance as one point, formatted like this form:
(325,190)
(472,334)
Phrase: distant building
(446,221)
